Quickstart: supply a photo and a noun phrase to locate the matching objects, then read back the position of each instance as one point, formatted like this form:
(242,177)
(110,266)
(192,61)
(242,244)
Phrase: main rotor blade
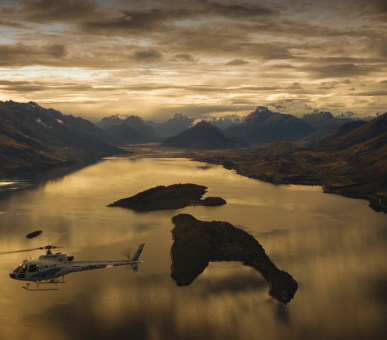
(34,234)
(18,251)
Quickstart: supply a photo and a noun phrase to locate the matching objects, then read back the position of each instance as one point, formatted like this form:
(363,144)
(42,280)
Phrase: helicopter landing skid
(48,282)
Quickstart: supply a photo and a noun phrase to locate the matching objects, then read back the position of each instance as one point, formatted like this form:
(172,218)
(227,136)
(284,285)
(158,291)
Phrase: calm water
(336,248)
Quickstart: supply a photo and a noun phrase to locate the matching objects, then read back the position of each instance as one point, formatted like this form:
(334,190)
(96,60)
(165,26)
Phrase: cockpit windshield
(23,268)
(17,269)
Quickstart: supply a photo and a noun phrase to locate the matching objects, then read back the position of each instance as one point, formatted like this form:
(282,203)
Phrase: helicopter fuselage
(52,266)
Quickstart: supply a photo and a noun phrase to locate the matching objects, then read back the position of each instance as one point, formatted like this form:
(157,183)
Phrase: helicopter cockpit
(20,271)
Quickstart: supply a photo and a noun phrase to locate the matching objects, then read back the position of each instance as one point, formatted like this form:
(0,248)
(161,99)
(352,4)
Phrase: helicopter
(52,267)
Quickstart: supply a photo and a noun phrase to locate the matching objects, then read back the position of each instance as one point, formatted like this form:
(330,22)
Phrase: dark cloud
(379,6)
(55,50)
(236,10)
(54,10)
(383,47)
(135,20)
(184,57)
(237,62)
(328,85)
(169,16)
(283,66)
(148,56)
(11,23)
(29,86)
(21,86)
(369,94)
(340,70)
(22,55)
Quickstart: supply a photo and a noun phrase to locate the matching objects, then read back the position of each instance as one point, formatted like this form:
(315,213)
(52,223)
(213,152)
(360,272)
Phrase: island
(196,243)
(175,196)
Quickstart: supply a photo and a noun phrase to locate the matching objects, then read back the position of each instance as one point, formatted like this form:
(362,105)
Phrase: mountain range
(33,139)
(172,126)
(260,126)
(265,126)
(342,155)
(150,131)
(127,130)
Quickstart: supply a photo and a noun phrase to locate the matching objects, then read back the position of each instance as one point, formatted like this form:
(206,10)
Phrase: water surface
(335,247)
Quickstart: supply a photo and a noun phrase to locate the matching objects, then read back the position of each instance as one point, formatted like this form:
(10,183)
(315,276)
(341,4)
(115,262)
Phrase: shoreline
(227,158)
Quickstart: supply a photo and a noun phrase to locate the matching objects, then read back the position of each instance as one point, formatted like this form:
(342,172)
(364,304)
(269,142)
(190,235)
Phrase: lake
(335,247)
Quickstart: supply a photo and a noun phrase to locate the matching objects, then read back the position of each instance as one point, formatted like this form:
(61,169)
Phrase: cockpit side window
(23,268)
(33,268)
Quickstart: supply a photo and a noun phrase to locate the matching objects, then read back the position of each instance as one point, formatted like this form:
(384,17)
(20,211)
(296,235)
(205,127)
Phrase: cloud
(237,62)
(35,86)
(369,94)
(21,86)
(148,56)
(211,52)
(136,20)
(53,10)
(236,10)
(22,54)
(339,70)
(11,23)
(184,57)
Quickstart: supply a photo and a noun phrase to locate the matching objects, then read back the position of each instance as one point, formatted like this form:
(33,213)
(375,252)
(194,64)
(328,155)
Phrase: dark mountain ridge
(128,130)
(204,135)
(356,132)
(34,138)
(172,126)
(265,126)
(322,123)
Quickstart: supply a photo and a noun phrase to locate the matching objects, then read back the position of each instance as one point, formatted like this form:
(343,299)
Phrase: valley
(348,159)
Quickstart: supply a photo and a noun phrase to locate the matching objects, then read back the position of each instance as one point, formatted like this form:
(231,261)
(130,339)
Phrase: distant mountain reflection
(196,243)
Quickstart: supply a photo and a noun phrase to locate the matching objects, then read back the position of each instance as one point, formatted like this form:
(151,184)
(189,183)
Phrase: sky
(153,58)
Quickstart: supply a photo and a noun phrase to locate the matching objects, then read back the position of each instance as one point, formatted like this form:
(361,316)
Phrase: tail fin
(136,257)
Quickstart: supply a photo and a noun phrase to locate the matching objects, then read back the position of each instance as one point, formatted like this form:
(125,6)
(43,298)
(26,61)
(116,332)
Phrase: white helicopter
(49,268)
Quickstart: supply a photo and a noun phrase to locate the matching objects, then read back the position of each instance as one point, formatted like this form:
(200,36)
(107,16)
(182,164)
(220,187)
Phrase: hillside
(322,124)
(34,139)
(204,136)
(351,162)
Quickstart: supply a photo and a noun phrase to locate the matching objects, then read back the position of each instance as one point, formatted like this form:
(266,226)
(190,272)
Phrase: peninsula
(198,242)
